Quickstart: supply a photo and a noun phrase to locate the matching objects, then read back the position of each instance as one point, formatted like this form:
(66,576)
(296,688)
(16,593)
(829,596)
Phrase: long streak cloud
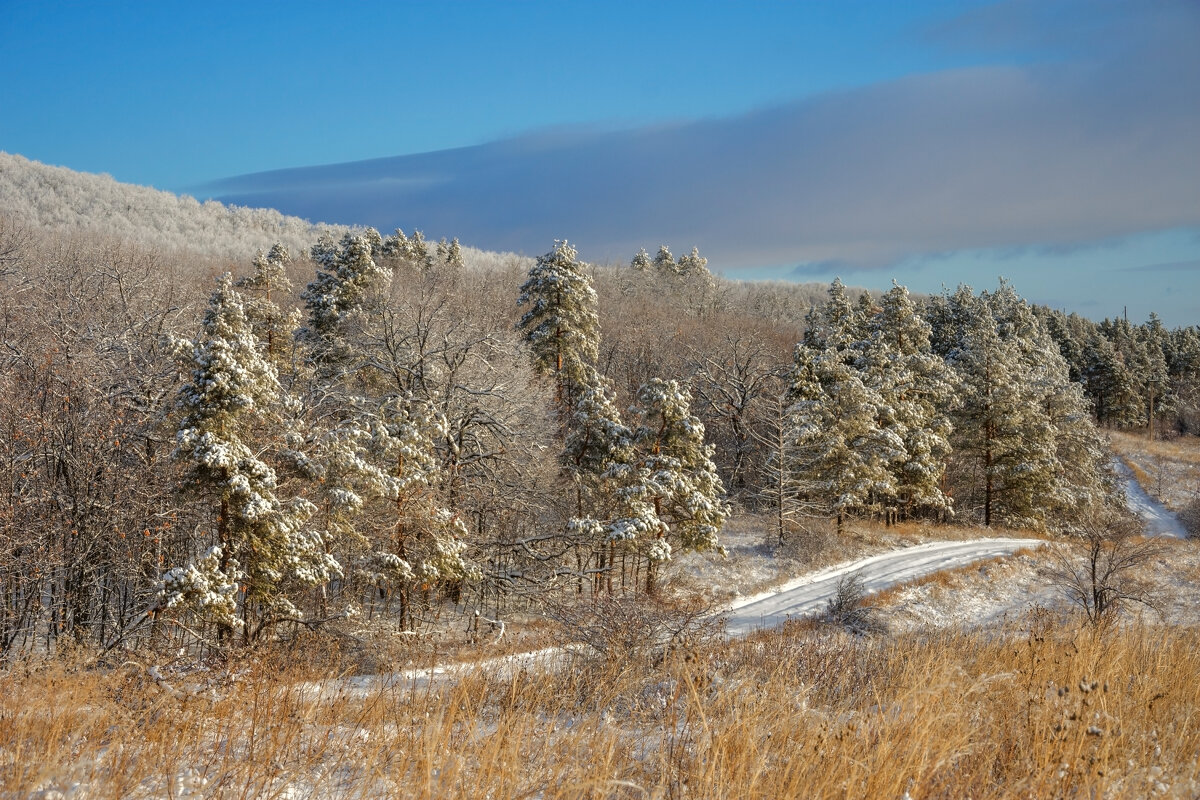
(1053,153)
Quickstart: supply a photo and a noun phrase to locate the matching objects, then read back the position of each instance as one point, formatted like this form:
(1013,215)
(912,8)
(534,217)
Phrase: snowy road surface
(1159,520)
(807,596)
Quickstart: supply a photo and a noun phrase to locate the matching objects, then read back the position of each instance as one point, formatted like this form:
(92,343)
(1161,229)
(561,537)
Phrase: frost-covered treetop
(270,270)
(229,372)
(347,274)
(560,325)
(641,261)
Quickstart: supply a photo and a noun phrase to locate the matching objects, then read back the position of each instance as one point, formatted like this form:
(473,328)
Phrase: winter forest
(380,428)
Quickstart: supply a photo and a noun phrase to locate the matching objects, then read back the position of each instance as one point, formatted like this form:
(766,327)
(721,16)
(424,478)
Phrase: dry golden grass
(1183,449)
(1037,712)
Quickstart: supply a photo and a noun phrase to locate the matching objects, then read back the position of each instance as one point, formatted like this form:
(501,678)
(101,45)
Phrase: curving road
(1160,521)
(808,595)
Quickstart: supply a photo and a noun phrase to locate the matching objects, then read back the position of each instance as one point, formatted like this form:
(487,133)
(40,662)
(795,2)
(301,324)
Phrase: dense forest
(404,429)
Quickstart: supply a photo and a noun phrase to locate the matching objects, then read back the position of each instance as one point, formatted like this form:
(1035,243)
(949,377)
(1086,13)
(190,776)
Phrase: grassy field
(1042,709)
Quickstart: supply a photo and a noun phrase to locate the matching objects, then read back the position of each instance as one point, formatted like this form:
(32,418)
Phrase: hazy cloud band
(1051,154)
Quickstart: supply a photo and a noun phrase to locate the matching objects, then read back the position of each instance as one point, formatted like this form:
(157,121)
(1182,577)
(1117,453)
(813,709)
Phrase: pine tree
(341,298)
(561,327)
(843,456)
(418,249)
(397,245)
(597,444)
(1026,451)
(454,255)
(269,322)
(915,389)
(664,262)
(1112,389)
(641,261)
(672,488)
(992,416)
(429,539)
(1151,367)
(693,265)
(262,541)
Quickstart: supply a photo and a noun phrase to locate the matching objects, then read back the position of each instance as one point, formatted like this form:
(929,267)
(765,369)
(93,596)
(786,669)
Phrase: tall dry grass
(1183,449)
(1041,711)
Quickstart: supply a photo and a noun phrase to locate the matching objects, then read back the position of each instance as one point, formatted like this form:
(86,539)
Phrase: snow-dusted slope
(808,595)
(1159,520)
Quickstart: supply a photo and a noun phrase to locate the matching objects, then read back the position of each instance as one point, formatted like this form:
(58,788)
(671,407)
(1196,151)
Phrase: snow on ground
(500,667)
(1168,468)
(808,595)
(1159,520)
(990,593)
(1004,590)
(1008,588)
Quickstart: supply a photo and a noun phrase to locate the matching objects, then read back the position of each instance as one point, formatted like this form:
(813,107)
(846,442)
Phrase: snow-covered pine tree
(560,326)
(598,442)
(664,261)
(1113,390)
(696,286)
(429,539)
(915,389)
(838,325)
(269,322)
(341,298)
(1151,367)
(641,261)
(673,476)
(1079,473)
(333,455)
(693,265)
(396,245)
(262,542)
(418,248)
(948,316)
(842,456)
(454,255)
(1002,431)
(1183,354)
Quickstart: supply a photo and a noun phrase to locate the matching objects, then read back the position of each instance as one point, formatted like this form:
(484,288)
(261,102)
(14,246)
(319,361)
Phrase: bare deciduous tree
(1099,573)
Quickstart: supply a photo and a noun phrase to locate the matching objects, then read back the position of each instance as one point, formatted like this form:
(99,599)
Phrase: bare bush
(1100,573)
(808,540)
(1190,516)
(636,630)
(848,607)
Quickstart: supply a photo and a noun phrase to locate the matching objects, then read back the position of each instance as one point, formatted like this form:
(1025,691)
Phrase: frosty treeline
(1135,376)
(380,427)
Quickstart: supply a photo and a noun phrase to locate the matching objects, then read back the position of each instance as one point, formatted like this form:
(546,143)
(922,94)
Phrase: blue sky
(1050,141)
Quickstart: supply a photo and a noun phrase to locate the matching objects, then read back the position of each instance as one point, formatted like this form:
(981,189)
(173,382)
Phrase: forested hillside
(386,426)
(60,200)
